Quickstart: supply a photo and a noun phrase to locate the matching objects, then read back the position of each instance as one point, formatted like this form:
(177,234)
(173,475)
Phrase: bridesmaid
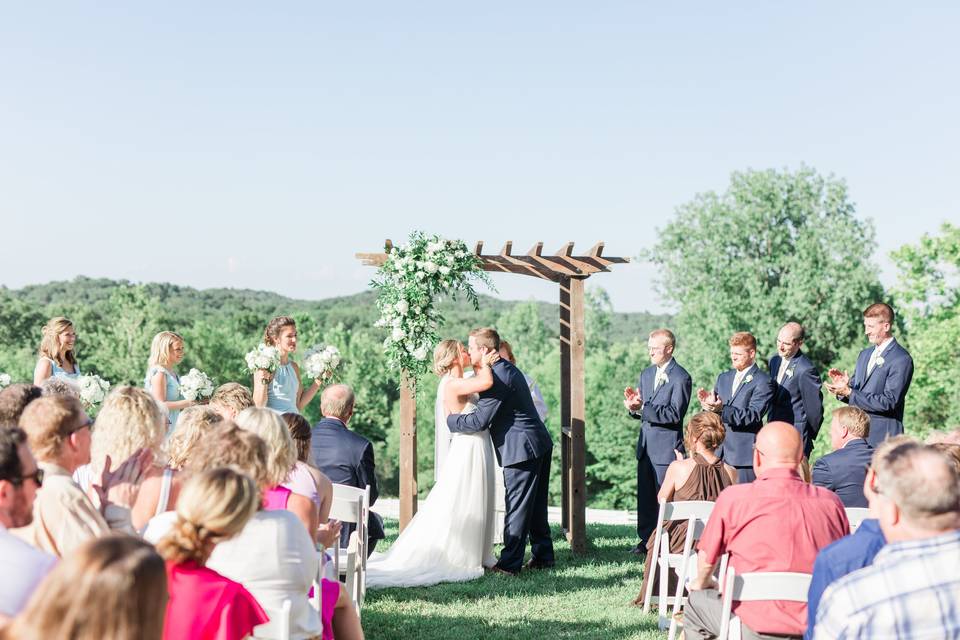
(162,381)
(56,352)
(282,390)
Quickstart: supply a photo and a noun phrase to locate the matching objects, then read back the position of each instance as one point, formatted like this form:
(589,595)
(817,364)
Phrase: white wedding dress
(450,539)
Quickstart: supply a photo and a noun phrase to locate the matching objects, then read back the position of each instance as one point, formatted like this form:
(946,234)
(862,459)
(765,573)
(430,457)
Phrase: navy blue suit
(523,447)
(797,399)
(742,416)
(843,472)
(883,393)
(661,431)
(347,458)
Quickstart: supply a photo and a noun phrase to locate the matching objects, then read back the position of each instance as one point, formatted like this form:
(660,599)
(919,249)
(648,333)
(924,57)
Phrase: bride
(450,539)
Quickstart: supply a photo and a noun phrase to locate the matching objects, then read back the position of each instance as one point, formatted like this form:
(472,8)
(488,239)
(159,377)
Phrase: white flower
(749,379)
(788,373)
(93,390)
(196,384)
(430,267)
(398,334)
(263,357)
(320,362)
(879,361)
(445,271)
(420,353)
(402,307)
(4,380)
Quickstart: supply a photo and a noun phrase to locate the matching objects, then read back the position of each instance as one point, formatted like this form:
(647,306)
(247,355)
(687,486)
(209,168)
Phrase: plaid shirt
(912,590)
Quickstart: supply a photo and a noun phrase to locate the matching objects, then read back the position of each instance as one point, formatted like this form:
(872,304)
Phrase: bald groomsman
(881,379)
(797,398)
(742,397)
(660,401)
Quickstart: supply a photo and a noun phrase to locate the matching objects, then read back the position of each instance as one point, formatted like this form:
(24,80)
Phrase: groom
(523,447)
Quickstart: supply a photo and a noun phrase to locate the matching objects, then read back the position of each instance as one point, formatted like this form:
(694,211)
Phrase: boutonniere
(665,379)
(879,361)
(749,378)
(788,373)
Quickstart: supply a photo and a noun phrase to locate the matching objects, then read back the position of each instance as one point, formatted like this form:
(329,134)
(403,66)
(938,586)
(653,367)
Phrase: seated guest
(22,566)
(843,470)
(230,399)
(58,432)
(854,551)
(14,399)
(57,386)
(215,506)
(912,588)
(702,476)
(776,523)
(113,587)
(281,459)
(161,487)
(307,480)
(344,456)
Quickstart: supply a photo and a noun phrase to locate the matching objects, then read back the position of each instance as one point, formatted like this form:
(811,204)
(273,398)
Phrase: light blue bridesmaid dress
(282,392)
(173,392)
(56,370)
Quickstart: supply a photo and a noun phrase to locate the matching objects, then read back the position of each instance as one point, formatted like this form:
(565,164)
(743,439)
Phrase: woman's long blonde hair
(161,349)
(111,587)
(129,420)
(193,423)
(444,355)
(50,342)
(281,453)
(213,506)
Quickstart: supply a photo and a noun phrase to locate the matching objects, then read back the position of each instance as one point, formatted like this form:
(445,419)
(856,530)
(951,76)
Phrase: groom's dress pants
(526,495)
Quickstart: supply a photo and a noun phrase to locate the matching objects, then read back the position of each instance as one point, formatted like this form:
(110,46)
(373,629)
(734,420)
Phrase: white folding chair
(774,585)
(696,513)
(856,515)
(317,600)
(354,571)
(351,505)
(278,628)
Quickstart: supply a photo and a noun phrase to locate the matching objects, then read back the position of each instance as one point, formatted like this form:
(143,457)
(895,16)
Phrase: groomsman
(660,401)
(742,396)
(881,379)
(797,398)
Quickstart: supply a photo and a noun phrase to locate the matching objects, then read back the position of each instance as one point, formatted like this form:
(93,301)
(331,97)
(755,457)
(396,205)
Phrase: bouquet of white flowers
(93,390)
(196,385)
(321,362)
(4,380)
(263,357)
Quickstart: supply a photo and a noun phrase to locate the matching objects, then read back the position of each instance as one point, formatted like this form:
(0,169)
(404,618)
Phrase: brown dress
(706,481)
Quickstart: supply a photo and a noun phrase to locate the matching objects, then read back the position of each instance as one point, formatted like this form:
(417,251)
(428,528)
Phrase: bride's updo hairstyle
(445,355)
(706,427)
(274,327)
(213,506)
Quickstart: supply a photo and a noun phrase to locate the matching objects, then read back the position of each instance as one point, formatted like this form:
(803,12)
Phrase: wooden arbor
(570,272)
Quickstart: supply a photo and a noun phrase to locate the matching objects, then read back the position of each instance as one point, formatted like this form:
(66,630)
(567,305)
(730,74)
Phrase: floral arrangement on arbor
(409,285)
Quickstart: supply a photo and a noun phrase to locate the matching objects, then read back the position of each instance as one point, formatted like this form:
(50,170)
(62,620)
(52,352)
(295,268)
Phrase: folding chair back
(856,515)
(278,628)
(774,585)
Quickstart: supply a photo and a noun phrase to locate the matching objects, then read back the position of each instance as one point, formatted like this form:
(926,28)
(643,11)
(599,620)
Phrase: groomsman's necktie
(737,379)
(783,369)
(873,360)
(660,379)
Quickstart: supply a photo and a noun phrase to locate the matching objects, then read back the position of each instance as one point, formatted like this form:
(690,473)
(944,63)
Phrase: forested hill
(352,311)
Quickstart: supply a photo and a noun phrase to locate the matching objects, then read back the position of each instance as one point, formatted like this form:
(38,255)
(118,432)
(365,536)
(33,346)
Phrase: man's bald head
(337,402)
(790,339)
(778,447)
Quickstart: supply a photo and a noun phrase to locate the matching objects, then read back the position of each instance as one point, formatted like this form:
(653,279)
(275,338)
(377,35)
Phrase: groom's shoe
(534,563)
(504,572)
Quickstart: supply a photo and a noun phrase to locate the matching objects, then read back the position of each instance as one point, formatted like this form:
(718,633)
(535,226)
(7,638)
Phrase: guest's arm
(669,480)
(704,578)
(821,475)
(304,396)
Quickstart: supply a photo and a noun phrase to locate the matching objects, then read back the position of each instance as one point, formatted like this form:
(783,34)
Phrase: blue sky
(261,145)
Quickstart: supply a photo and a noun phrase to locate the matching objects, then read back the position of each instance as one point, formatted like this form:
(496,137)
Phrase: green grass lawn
(583,597)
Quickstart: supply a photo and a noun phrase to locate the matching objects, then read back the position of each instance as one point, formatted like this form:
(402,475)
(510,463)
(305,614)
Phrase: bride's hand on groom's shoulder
(491,358)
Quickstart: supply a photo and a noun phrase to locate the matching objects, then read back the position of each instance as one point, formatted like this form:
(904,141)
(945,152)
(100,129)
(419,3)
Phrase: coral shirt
(775,523)
(204,605)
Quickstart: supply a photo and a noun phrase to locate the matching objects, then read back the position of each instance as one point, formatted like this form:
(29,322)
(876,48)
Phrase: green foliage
(776,246)
(928,299)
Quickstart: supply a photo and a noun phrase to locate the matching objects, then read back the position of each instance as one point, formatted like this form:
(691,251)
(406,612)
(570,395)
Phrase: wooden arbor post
(570,272)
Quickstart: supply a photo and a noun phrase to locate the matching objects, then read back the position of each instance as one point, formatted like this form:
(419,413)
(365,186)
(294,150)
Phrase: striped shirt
(912,590)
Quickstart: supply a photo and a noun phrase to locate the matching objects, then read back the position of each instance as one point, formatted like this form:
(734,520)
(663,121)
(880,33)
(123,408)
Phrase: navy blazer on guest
(346,458)
(797,398)
(662,414)
(507,409)
(843,472)
(743,412)
(883,393)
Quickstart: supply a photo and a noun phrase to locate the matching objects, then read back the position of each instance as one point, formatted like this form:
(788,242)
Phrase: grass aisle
(583,597)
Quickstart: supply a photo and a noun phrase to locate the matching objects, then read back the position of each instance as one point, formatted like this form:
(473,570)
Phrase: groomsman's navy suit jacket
(346,458)
(743,412)
(798,398)
(843,472)
(663,410)
(882,394)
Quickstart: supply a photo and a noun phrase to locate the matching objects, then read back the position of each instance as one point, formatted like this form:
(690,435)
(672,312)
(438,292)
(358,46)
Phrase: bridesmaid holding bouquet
(162,381)
(281,390)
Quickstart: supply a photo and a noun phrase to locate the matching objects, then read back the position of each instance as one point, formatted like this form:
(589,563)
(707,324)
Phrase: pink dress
(276,499)
(204,605)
